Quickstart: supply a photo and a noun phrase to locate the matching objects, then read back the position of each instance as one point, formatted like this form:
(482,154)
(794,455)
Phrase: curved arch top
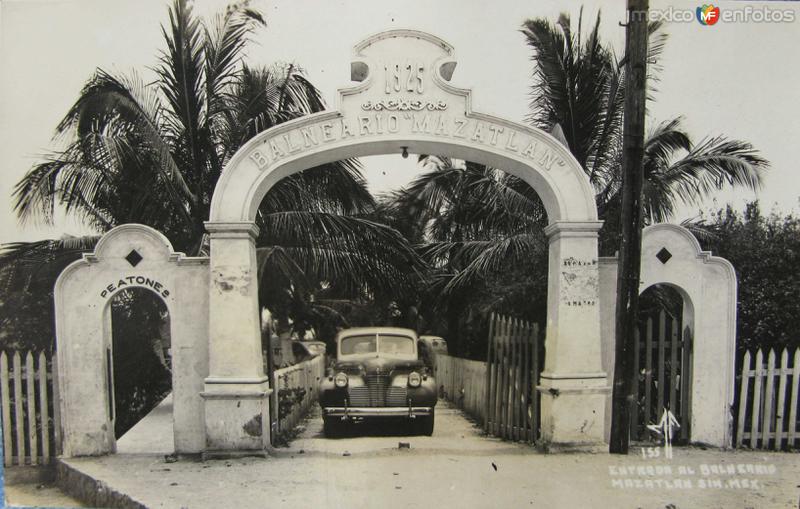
(404,100)
(678,237)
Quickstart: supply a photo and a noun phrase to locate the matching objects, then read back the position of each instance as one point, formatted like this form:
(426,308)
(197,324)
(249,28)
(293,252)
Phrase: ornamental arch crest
(404,100)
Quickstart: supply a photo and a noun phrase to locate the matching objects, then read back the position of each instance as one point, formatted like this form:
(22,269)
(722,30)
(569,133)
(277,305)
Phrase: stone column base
(573,410)
(237,417)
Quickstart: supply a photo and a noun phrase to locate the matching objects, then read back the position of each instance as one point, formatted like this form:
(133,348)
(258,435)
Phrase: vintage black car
(377,374)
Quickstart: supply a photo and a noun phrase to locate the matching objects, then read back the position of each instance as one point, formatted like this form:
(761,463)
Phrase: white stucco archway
(128,256)
(404,101)
(708,285)
(221,395)
(671,255)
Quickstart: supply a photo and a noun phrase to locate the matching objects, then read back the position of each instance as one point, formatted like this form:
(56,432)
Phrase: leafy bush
(765,251)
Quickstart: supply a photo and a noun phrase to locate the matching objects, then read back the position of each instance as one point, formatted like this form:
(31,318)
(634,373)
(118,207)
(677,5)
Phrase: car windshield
(355,345)
(371,343)
(396,345)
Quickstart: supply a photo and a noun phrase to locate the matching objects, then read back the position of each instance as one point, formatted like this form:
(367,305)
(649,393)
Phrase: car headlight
(340,380)
(414,379)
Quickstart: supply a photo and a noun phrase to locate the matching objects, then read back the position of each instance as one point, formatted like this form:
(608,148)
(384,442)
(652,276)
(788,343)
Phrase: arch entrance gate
(403,101)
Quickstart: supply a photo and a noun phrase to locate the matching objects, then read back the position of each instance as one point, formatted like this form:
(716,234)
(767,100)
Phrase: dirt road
(456,467)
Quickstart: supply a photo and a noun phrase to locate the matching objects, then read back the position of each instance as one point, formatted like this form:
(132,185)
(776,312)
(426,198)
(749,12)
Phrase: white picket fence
(463,382)
(768,399)
(500,393)
(31,435)
(299,382)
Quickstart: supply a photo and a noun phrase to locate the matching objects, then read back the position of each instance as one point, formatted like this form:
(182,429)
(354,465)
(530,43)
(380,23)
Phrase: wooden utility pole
(630,247)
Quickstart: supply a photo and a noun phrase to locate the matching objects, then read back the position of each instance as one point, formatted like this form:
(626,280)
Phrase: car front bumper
(412,411)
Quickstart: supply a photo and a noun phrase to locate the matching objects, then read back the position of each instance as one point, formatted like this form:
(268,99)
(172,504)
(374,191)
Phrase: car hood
(377,365)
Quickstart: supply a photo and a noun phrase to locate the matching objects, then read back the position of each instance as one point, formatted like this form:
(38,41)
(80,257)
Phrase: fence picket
(793,435)
(779,410)
(662,333)
(766,424)
(509,380)
(56,406)
(504,389)
(535,386)
(6,409)
(526,385)
(489,370)
(634,411)
(500,378)
(30,403)
(745,384)
(673,367)
(495,386)
(44,424)
(511,376)
(686,381)
(513,385)
(519,399)
(757,373)
(18,415)
(648,373)
(506,376)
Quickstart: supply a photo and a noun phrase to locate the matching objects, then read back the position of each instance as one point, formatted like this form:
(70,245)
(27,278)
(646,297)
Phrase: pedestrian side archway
(128,256)
(672,256)
(404,102)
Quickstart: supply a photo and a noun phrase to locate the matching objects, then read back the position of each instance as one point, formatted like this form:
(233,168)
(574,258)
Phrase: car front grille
(377,384)
(397,396)
(377,393)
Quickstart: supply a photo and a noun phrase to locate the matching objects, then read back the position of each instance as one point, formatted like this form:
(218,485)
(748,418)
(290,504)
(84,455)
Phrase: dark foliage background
(765,251)
(141,379)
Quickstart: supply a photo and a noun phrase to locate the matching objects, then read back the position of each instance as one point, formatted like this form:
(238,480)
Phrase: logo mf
(707,14)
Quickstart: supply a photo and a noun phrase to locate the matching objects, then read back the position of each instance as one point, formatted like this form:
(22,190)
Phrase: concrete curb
(91,491)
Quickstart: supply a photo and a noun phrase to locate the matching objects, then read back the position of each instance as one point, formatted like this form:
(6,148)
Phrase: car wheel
(425,424)
(333,427)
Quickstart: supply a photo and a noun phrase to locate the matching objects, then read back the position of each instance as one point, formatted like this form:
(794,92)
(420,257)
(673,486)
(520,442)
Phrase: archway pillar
(236,391)
(573,385)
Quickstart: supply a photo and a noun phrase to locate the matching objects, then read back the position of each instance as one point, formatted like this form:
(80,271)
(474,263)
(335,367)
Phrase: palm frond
(709,166)
(38,264)
(337,187)
(344,248)
(124,112)
(225,40)
(181,83)
(701,229)
(483,260)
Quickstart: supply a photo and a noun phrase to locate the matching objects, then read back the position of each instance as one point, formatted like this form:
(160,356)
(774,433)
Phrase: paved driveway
(456,467)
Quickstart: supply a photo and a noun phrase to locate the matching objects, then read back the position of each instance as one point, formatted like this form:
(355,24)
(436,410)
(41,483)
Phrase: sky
(737,79)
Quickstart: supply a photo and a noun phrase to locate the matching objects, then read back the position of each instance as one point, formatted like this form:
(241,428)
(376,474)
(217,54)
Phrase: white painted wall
(708,285)
(83,327)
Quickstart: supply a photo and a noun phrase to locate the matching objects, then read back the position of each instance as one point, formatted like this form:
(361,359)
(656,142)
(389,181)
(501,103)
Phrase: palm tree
(152,154)
(579,89)
(477,222)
